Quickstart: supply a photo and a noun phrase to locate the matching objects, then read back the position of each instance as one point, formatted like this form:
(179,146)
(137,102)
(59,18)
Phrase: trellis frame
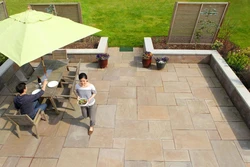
(3,11)
(68,10)
(186,21)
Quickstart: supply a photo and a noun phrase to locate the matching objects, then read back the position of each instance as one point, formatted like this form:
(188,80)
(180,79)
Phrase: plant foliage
(237,61)
(2,58)
(161,59)
(104,56)
(147,55)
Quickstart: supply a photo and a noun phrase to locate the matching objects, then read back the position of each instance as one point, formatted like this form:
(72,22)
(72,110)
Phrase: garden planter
(103,63)
(146,62)
(160,65)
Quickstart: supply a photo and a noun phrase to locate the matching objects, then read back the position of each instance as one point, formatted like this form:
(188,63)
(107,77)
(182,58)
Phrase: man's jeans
(37,106)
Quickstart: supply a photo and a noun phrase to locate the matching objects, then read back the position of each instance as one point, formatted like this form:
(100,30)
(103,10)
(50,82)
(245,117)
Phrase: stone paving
(177,117)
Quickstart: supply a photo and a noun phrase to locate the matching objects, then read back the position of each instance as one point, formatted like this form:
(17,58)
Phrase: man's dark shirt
(25,103)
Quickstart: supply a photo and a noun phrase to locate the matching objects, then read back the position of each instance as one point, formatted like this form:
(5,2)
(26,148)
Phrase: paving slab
(200,82)
(111,158)
(244,149)
(40,162)
(78,157)
(122,92)
(176,155)
(148,150)
(133,80)
(187,72)
(131,129)
(169,76)
(226,154)
(178,164)
(191,139)
(233,130)
(146,96)
(153,113)
(180,117)
(160,130)
(126,109)
(50,147)
(105,116)
(203,158)
(24,162)
(102,138)
(203,121)
(165,99)
(24,146)
(78,134)
(176,87)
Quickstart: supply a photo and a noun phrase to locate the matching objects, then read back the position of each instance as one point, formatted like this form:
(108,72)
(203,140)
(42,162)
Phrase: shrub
(2,59)
(246,51)
(237,61)
(217,45)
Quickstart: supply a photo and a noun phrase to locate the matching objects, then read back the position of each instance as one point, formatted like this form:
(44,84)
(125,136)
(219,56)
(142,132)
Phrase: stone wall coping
(5,66)
(102,48)
(148,44)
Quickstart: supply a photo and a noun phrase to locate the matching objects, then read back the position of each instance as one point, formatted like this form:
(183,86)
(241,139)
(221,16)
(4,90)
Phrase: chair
(72,72)
(60,54)
(66,92)
(24,120)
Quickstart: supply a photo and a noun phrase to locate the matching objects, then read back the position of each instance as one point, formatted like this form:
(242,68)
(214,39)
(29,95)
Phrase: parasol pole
(44,68)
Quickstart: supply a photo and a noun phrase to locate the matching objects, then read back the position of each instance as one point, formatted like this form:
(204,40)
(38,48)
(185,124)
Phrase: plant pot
(160,65)
(103,63)
(146,62)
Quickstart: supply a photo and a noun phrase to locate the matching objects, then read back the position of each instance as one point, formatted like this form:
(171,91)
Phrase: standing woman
(87,90)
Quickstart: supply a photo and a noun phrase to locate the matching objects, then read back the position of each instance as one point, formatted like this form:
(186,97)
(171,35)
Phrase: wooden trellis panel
(68,10)
(190,18)
(3,11)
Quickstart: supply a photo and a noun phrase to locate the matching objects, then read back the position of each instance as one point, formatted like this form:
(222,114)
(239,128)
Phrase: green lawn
(127,22)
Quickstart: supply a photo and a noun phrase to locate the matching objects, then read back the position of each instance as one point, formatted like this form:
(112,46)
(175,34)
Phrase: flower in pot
(161,62)
(146,59)
(102,59)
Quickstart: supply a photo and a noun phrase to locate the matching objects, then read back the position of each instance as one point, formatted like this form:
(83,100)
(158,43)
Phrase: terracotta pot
(146,62)
(160,65)
(103,63)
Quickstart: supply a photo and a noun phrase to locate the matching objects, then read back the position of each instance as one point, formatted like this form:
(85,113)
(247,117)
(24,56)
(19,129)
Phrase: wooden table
(55,71)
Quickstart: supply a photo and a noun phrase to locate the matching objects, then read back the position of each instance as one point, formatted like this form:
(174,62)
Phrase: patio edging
(237,92)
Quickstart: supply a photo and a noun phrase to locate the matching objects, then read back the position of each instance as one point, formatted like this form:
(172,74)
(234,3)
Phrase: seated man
(28,104)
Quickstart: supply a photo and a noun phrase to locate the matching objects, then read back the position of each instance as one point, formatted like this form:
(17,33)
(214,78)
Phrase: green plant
(246,51)
(217,45)
(237,61)
(2,58)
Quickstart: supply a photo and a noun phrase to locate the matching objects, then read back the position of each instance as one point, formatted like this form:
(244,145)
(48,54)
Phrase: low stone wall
(11,74)
(86,55)
(237,92)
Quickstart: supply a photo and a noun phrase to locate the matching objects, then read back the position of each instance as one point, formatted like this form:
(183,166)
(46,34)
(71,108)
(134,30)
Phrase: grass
(127,22)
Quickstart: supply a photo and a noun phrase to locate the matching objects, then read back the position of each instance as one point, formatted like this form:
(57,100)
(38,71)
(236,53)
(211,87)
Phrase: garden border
(237,92)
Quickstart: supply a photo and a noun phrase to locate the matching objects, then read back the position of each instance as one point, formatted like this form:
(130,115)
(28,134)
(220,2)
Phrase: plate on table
(82,102)
(36,91)
(53,84)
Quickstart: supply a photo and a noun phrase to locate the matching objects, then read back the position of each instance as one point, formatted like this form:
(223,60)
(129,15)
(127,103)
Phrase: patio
(177,117)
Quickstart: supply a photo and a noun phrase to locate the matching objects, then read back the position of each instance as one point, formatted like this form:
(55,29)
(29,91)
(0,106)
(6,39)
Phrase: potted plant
(102,59)
(146,59)
(161,62)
